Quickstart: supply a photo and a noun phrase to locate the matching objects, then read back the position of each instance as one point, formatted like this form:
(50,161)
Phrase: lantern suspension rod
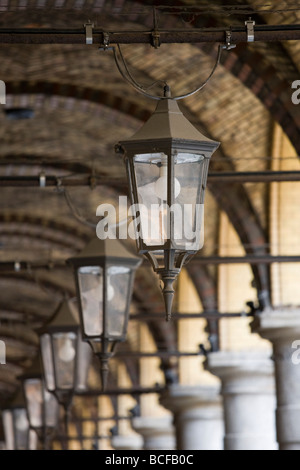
(104,418)
(160,354)
(214,315)
(263,33)
(122,391)
(82,437)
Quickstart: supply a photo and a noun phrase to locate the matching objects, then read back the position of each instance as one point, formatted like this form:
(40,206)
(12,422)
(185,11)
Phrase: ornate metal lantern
(104,273)
(167,164)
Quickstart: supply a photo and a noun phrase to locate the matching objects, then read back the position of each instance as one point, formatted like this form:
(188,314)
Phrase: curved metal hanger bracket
(127,75)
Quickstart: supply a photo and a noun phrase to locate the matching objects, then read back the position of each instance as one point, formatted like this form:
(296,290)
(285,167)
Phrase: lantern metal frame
(105,254)
(2,437)
(168,132)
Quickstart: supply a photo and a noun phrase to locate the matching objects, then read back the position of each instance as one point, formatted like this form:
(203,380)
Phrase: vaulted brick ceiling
(82,107)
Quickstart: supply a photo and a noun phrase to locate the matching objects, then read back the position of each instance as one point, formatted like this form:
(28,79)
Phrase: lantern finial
(168,292)
(104,369)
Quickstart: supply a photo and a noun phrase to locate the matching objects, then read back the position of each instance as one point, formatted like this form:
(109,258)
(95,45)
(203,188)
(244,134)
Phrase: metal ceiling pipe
(87,180)
(263,33)
(10,266)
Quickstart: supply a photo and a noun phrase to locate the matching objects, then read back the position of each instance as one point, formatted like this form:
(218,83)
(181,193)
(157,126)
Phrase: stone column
(282,327)
(198,416)
(248,391)
(128,442)
(158,432)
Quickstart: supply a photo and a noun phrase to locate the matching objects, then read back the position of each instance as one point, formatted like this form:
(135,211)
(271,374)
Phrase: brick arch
(51,228)
(26,281)
(68,90)
(263,81)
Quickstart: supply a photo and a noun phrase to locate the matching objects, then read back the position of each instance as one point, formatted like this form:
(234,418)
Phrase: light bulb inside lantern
(66,352)
(161,185)
(21,422)
(47,396)
(110,290)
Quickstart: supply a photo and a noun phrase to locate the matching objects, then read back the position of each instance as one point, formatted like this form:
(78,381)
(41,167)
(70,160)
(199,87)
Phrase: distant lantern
(42,406)
(18,435)
(104,273)
(64,357)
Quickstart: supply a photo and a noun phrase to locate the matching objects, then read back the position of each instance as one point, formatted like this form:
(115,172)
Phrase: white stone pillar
(198,416)
(158,432)
(282,327)
(128,442)
(248,391)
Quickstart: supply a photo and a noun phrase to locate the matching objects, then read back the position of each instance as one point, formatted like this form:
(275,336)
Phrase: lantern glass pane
(47,358)
(151,181)
(182,221)
(189,171)
(8,426)
(117,288)
(83,364)
(64,347)
(34,398)
(90,280)
(21,428)
(51,409)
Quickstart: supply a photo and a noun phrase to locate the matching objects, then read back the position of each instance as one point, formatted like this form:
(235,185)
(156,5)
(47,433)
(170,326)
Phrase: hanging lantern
(63,355)
(167,164)
(42,406)
(18,435)
(104,273)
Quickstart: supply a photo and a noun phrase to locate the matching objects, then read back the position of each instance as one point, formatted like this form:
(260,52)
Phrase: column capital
(128,442)
(158,432)
(242,371)
(199,400)
(278,324)
(249,398)
(281,326)
(198,416)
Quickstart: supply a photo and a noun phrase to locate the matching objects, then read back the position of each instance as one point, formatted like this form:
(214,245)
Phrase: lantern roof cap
(34,371)
(168,122)
(108,249)
(18,401)
(62,319)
